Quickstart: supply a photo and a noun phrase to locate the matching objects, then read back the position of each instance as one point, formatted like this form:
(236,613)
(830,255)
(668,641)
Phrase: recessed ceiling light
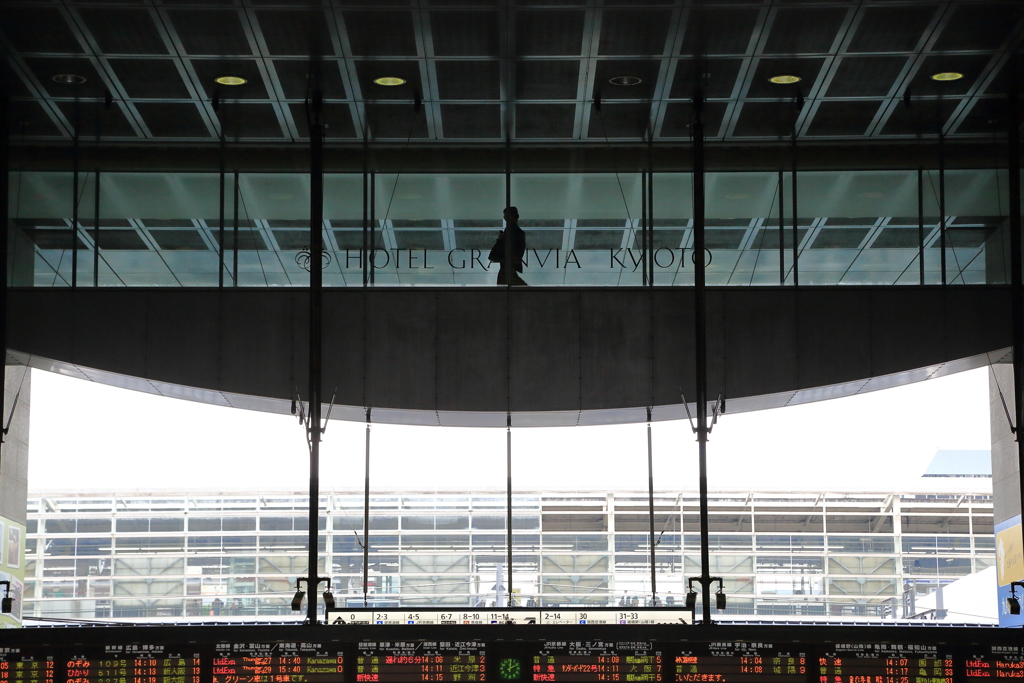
(785,79)
(69,79)
(231,80)
(625,80)
(947,76)
(389,80)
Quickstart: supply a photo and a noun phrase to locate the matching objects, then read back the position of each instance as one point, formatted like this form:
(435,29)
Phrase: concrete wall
(14,452)
(532,350)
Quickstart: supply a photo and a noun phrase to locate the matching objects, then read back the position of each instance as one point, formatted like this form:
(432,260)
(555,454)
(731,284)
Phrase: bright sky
(87,436)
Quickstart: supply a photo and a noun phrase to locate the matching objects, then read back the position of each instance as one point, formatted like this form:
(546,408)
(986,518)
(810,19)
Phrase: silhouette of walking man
(514,237)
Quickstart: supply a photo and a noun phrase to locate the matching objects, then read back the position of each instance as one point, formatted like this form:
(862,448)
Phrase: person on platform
(516,238)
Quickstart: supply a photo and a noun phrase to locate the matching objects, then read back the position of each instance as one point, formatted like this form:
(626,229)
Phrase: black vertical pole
(942,205)
(373,226)
(920,224)
(366,225)
(508,499)
(5,166)
(74,210)
(366,513)
(700,370)
(96,234)
(316,219)
(796,241)
(234,238)
(508,362)
(650,509)
(650,210)
(782,230)
(1017,296)
(643,223)
(220,235)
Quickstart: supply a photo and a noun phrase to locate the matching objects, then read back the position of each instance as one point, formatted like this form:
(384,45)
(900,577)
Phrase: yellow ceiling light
(947,76)
(69,79)
(785,79)
(231,80)
(389,80)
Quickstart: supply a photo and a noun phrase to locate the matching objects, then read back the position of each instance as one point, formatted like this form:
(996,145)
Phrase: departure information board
(401,661)
(885,663)
(292,662)
(16,667)
(597,661)
(131,663)
(741,661)
(1001,661)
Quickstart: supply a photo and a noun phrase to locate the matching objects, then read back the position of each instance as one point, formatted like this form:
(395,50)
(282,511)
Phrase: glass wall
(436,229)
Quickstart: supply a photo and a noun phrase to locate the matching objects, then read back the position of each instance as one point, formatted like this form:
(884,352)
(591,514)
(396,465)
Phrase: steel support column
(700,333)
(316,219)
(920,224)
(366,513)
(96,234)
(942,205)
(782,230)
(1017,281)
(5,165)
(650,509)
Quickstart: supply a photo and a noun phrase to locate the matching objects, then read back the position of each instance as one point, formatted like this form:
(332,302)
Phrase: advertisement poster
(12,568)
(1009,567)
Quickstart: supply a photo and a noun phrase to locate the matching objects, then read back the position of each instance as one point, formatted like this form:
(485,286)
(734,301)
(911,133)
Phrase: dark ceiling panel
(547,79)
(1011,72)
(986,117)
(172,119)
(645,69)
(291,74)
(150,78)
(52,239)
(381,34)
(672,239)
(806,68)
(678,117)
(620,121)
(471,120)
(465,34)
(475,239)
(634,32)
(349,239)
(165,222)
(798,30)
(865,76)
(45,68)
(121,240)
(396,121)
(718,31)
(545,120)
(210,32)
(123,31)
(179,240)
(295,32)
(891,29)
(723,239)
(208,70)
(291,240)
(368,71)
(336,115)
(249,120)
(840,238)
(769,238)
(843,118)
(717,76)
(468,80)
(549,32)
(10,83)
(979,26)
(29,118)
(419,239)
(765,119)
(38,29)
(858,221)
(971,66)
(923,117)
(95,119)
(897,238)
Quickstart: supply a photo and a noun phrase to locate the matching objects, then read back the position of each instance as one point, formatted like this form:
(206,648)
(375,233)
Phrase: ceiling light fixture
(231,80)
(389,80)
(625,80)
(785,79)
(69,79)
(947,76)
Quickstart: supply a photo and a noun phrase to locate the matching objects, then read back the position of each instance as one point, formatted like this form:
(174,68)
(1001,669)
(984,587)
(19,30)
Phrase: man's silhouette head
(512,215)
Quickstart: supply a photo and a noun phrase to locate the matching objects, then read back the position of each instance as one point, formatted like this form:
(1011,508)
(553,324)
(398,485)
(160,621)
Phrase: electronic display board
(1000,661)
(401,661)
(734,662)
(131,663)
(596,661)
(885,663)
(290,662)
(19,667)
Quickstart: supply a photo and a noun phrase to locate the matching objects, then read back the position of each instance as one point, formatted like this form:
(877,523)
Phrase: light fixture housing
(297,600)
(7,605)
(69,79)
(720,600)
(625,80)
(944,76)
(389,81)
(691,600)
(328,599)
(785,79)
(1014,605)
(231,80)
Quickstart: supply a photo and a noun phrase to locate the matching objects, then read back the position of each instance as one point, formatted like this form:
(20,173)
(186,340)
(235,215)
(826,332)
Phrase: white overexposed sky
(91,437)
